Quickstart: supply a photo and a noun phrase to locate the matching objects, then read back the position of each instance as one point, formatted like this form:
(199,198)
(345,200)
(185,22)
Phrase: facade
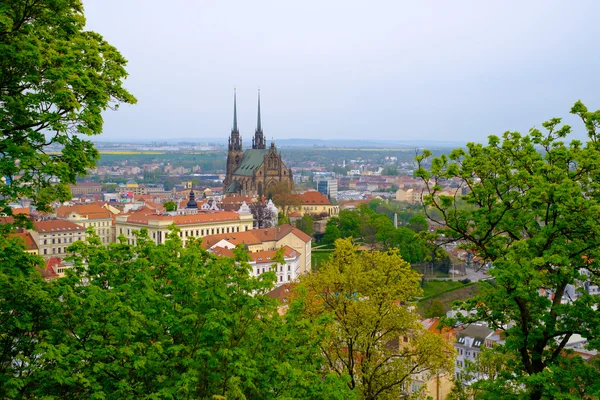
(268,239)
(469,342)
(252,172)
(83,188)
(312,203)
(86,215)
(197,225)
(263,261)
(54,236)
(328,187)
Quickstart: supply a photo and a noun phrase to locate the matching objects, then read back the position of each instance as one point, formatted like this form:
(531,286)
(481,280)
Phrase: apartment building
(264,261)
(54,236)
(90,215)
(267,239)
(196,225)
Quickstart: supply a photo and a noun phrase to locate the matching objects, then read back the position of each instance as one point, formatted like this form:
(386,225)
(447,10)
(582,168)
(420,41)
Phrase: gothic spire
(235,127)
(258,142)
(258,127)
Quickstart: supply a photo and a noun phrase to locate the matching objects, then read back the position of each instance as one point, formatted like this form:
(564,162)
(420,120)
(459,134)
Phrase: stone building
(252,172)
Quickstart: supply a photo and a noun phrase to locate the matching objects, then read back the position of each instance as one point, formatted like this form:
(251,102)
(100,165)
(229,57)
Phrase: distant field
(132,152)
(319,258)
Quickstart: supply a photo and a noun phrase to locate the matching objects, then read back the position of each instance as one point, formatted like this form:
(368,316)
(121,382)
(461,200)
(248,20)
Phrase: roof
(252,159)
(189,219)
(56,225)
(259,257)
(237,199)
(234,187)
(255,236)
(311,197)
(27,239)
(91,211)
(475,331)
(282,293)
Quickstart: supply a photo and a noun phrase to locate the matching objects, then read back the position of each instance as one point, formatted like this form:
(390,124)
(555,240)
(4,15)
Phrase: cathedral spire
(235,127)
(258,127)
(258,142)
(235,142)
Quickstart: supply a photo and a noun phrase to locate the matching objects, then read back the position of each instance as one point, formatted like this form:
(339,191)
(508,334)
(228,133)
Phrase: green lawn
(434,286)
(318,258)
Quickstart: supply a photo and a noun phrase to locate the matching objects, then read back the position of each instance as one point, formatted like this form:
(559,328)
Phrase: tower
(258,141)
(234,153)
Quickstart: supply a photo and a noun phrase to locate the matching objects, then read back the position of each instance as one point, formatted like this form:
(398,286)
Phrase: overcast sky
(405,70)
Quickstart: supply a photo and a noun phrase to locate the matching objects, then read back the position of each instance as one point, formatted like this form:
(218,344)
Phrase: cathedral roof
(233,187)
(251,160)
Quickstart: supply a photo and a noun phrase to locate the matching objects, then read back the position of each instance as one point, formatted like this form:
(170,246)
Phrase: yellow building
(54,236)
(86,215)
(311,203)
(197,225)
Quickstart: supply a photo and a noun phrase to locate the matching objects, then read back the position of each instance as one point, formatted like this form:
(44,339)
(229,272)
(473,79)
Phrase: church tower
(258,142)
(234,153)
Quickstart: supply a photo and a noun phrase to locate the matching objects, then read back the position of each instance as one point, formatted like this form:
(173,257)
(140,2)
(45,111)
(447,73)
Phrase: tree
(262,214)
(170,206)
(418,223)
(435,309)
(534,215)
(154,321)
(368,298)
(332,233)
(305,224)
(55,81)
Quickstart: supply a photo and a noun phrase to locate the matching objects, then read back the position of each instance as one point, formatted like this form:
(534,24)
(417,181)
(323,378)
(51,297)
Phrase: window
(257,271)
(289,268)
(281,279)
(289,278)
(53,241)
(405,339)
(45,251)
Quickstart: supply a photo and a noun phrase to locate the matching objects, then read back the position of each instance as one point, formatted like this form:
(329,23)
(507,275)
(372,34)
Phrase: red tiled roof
(56,225)
(259,257)
(255,236)
(201,217)
(27,239)
(91,211)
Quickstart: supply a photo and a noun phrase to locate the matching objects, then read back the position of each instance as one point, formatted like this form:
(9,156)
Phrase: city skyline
(436,71)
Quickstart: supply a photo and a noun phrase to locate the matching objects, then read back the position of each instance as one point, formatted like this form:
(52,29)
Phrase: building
(254,171)
(469,343)
(308,203)
(328,187)
(263,261)
(268,239)
(90,215)
(54,236)
(30,245)
(84,188)
(196,225)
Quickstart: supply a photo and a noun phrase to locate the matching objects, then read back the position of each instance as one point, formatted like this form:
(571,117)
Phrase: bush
(465,281)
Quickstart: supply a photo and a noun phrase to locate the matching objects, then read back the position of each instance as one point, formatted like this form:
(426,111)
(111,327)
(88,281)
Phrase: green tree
(435,309)
(305,224)
(55,81)
(418,223)
(368,296)
(170,206)
(154,321)
(535,202)
(332,233)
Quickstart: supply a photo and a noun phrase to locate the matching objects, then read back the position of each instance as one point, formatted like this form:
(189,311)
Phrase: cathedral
(254,171)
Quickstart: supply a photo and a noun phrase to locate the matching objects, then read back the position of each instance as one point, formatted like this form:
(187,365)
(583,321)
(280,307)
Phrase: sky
(390,70)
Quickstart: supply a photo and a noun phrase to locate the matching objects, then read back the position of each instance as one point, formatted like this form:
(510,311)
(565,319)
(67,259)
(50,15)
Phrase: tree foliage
(535,205)
(368,296)
(305,224)
(170,206)
(154,321)
(55,80)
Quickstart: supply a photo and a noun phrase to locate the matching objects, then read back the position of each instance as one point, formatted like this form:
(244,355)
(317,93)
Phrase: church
(254,171)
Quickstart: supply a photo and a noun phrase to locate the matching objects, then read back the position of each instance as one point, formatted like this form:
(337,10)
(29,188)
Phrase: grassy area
(318,258)
(433,287)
